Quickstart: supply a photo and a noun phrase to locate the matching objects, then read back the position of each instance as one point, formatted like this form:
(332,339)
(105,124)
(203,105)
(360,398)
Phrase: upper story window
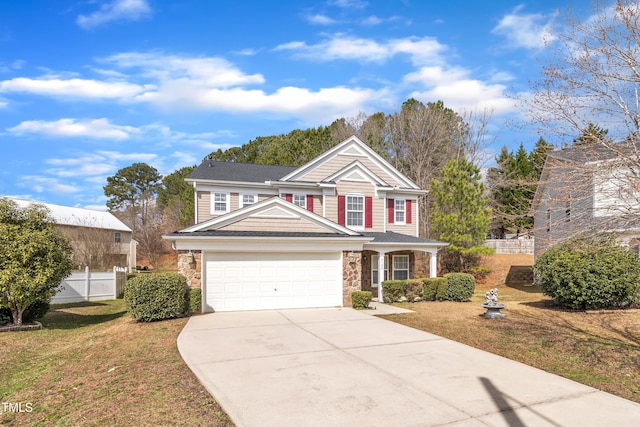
(220,203)
(300,200)
(118,237)
(249,199)
(400,211)
(355,211)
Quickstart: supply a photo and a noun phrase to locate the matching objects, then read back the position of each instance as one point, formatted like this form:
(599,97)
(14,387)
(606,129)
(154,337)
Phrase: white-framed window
(374,270)
(220,202)
(355,211)
(118,237)
(400,211)
(248,199)
(300,200)
(400,267)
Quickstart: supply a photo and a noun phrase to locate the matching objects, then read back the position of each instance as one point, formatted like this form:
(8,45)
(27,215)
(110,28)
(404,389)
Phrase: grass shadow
(79,315)
(78,304)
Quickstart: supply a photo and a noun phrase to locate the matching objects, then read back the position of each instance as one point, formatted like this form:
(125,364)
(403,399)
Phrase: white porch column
(380,274)
(433,264)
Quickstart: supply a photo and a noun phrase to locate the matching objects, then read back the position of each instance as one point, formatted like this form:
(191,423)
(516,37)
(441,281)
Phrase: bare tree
(592,80)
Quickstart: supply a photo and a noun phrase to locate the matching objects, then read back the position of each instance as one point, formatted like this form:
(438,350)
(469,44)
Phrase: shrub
(413,290)
(361,299)
(589,273)
(441,291)
(432,287)
(393,290)
(35,311)
(479,271)
(157,296)
(460,286)
(195,300)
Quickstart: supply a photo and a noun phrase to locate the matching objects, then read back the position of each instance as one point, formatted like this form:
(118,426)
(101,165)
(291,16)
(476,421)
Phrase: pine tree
(460,214)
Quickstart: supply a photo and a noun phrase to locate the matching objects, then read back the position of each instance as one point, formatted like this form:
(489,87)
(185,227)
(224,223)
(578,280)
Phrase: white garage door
(259,281)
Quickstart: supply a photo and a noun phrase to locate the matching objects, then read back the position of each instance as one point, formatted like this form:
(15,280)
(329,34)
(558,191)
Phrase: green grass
(93,365)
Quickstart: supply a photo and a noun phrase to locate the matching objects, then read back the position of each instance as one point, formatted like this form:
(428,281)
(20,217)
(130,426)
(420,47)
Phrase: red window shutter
(342,210)
(288,198)
(409,213)
(309,202)
(368,212)
(391,206)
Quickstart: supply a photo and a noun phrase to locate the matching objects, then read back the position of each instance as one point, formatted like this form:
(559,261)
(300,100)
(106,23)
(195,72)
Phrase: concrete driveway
(342,367)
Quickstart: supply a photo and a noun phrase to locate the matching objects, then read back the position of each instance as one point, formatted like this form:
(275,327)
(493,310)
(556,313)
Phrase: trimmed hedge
(361,299)
(460,286)
(393,290)
(414,290)
(195,300)
(157,296)
(589,273)
(434,287)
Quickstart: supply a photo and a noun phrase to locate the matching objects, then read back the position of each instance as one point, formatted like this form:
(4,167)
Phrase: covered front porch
(392,256)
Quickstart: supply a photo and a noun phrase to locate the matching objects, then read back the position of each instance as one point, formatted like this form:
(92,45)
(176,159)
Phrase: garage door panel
(269,280)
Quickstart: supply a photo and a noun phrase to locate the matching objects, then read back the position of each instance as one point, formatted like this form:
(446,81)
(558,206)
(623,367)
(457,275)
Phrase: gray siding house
(588,189)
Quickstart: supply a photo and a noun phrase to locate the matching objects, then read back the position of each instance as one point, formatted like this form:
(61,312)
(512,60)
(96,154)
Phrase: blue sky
(88,87)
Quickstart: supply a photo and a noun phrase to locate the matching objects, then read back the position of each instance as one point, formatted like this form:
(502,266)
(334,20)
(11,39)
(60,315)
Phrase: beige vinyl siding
(204,204)
(348,187)
(331,208)
(235,202)
(317,205)
(204,207)
(364,188)
(409,229)
(274,224)
(341,161)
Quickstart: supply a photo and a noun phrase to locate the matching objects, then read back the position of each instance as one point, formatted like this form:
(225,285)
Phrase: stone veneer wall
(351,275)
(190,270)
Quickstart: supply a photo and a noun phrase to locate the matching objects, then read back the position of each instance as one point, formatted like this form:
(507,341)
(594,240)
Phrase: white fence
(91,286)
(511,246)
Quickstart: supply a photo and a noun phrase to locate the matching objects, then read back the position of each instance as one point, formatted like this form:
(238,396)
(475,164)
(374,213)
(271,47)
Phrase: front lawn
(94,365)
(600,349)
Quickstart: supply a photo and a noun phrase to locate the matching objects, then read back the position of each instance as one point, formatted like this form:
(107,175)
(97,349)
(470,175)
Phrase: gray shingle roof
(244,172)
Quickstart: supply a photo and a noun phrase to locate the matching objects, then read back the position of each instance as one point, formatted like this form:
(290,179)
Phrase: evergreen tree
(460,214)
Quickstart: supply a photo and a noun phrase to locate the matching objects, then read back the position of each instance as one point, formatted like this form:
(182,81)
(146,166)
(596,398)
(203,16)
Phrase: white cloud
(349,4)
(72,128)
(458,90)
(74,88)
(319,19)
(132,157)
(41,184)
(371,20)
(87,169)
(525,30)
(177,70)
(343,47)
(116,10)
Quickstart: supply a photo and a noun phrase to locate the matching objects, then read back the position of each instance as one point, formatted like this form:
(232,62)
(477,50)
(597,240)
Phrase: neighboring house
(99,239)
(588,189)
(284,237)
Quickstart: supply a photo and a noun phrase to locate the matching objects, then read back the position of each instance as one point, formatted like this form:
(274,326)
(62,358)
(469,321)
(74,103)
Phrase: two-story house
(269,237)
(99,239)
(589,188)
